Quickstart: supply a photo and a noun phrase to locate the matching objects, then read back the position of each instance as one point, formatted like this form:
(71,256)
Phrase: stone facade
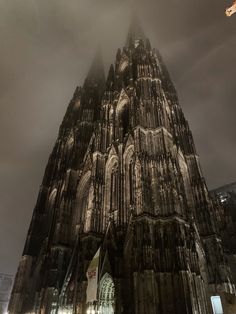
(225,198)
(6,282)
(124,176)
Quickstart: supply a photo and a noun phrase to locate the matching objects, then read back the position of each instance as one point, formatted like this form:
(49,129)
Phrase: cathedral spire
(135,33)
(124,176)
(96,74)
(110,78)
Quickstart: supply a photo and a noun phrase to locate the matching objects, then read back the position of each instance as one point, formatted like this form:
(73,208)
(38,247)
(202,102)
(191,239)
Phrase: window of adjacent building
(216,305)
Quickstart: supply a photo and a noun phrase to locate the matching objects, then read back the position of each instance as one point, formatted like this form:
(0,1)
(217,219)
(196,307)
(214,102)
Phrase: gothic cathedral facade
(124,176)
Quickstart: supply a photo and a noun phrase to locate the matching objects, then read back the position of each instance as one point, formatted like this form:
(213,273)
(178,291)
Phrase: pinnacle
(96,72)
(135,32)
(110,78)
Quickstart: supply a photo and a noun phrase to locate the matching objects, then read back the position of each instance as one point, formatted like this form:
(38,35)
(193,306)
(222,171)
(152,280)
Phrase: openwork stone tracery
(107,295)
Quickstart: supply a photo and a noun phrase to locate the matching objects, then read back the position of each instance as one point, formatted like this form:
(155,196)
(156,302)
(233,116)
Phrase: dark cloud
(46,49)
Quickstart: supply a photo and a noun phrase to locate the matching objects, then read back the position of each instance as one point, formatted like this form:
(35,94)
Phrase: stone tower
(124,176)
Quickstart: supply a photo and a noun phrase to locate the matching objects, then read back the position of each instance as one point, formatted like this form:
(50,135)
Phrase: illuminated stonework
(106,300)
(124,176)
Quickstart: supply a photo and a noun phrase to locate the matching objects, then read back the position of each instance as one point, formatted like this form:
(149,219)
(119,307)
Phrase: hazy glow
(216,305)
(46,50)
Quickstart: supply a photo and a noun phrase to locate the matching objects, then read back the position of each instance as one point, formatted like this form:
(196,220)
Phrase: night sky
(46,47)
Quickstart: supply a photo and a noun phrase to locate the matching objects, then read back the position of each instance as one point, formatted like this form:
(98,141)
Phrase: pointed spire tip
(136,32)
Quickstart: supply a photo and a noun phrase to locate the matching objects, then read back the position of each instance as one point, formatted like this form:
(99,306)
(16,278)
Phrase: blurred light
(216,304)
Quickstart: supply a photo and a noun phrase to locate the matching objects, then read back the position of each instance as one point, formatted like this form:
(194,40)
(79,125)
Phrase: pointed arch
(111,189)
(202,261)
(122,114)
(124,62)
(68,146)
(107,295)
(185,175)
(70,141)
(49,217)
(122,101)
(123,120)
(52,199)
(82,198)
(129,179)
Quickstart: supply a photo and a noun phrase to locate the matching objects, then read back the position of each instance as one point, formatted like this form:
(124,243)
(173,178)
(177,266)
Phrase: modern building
(225,196)
(6,282)
(224,192)
(124,222)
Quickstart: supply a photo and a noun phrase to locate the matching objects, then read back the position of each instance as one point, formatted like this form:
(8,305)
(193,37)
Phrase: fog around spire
(136,32)
(46,52)
(96,72)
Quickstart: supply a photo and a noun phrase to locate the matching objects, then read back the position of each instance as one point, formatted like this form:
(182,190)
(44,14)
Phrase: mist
(46,49)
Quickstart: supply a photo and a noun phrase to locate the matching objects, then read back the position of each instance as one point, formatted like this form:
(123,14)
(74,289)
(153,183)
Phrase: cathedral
(124,222)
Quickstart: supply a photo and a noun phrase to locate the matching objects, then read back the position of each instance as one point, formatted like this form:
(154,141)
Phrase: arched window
(122,112)
(49,217)
(84,204)
(131,182)
(202,262)
(51,297)
(129,179)
(68,147)
(106,295)
(82,200)
(124,121)
(114,189)
(111,202)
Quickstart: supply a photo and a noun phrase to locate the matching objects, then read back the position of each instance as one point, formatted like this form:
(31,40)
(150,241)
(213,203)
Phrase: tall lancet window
(131,181)
(82,201)
(114,190)
(84,204)
(111,191)
(124,117)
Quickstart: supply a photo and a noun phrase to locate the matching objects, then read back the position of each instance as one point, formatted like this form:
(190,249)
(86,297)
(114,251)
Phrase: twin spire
(135,33)
(96,74)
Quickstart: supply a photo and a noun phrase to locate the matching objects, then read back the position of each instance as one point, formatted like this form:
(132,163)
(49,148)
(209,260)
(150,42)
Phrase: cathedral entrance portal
(107,295)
